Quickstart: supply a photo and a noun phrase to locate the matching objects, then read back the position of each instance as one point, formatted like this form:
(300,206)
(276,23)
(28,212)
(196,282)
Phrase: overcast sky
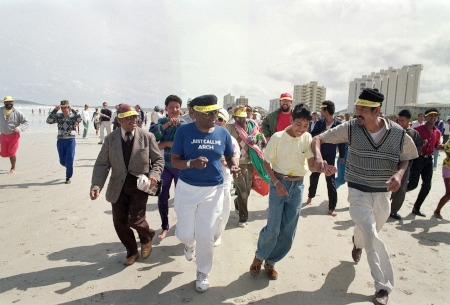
(142,51)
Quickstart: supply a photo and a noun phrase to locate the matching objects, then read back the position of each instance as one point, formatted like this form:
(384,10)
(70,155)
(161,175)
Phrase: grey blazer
(145,158)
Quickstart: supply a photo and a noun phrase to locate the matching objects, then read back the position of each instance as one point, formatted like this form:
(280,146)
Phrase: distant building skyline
(311,95)
(399,86)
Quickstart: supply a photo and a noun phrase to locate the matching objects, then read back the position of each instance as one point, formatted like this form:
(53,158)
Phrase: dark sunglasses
(211,113)
(220,119)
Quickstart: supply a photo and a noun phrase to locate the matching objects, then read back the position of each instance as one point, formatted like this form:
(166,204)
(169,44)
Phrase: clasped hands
(323,167)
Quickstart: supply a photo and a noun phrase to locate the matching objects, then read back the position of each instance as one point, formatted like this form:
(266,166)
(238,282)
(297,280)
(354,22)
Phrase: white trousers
(223,219)
(198,209)
(370,211)
(103,125)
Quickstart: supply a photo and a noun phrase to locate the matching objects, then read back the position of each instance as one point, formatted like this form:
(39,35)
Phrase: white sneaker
(218,242)
(202,282)
(189,252)
(242,224)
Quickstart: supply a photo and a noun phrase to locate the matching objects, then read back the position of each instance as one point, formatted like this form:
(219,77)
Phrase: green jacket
(269,124)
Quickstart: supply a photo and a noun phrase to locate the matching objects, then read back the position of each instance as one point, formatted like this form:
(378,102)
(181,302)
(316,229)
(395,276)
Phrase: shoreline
(61,248)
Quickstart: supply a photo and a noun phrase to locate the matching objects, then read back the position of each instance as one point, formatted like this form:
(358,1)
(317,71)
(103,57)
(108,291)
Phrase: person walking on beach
(164,131)
(423,165)
(280,118)
(128,152)
(141,115)
(286,170)
(249,138)
(420,120)
(105,122)
(328,152)
(374,143)
(397,198)
(12,123)
(67,122)
(197,151)
(96,120)
(85,117)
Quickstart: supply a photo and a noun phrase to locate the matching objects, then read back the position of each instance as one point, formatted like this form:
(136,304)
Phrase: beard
(8,106)
(285,108)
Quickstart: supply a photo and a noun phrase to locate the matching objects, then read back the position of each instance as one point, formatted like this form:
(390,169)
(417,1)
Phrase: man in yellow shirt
(285,161)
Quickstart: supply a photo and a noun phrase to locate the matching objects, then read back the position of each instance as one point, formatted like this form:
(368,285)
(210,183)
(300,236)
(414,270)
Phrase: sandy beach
(59,247)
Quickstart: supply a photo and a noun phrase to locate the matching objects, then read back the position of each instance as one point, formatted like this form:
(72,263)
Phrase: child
(446,176)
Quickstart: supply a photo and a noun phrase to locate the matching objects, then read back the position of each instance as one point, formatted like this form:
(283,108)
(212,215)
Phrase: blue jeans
(340,180)
(435,158)
(66,152)
(275,239)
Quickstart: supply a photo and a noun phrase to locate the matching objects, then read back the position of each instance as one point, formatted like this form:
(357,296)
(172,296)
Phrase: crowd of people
(205,150)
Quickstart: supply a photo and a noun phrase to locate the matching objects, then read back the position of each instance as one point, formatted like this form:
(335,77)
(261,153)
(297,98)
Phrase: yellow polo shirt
(288,155)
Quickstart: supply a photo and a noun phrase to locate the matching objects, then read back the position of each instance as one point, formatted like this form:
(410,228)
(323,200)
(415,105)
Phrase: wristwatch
(188,164)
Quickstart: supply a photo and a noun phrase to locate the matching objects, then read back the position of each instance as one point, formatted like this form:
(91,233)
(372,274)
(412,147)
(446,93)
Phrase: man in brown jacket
(129,151)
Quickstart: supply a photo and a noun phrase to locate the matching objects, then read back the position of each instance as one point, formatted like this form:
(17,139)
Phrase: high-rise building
(242,100)
(399,86)
(228,101)
(274,104)
(310,94)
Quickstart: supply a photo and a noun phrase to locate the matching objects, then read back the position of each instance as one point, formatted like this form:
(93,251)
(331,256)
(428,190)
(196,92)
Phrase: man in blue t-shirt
(197,151)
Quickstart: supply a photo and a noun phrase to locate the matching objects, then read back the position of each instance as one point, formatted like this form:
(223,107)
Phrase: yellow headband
(432,112)
(241,113)
(206,108)
(367,103)
(127,114)
(323,106)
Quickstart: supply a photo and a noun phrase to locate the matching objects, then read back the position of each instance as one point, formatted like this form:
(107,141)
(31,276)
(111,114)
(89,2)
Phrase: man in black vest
(378,154)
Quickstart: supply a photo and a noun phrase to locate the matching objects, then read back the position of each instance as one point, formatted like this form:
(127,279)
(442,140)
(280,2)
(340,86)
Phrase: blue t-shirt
(191,143)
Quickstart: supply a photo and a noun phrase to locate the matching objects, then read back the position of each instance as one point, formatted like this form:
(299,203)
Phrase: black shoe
(418,213)
(67,180)
(381,297)
(395,216)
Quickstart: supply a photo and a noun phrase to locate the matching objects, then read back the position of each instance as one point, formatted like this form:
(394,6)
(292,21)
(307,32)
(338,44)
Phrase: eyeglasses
(132,117)
(220,120)
(211,113)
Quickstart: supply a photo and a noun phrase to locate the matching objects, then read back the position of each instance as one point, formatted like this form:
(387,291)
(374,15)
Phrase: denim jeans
(66,152)
(340,179)
(275,239)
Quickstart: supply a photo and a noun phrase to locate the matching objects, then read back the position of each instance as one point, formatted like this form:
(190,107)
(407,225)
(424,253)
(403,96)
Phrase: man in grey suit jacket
(129,151)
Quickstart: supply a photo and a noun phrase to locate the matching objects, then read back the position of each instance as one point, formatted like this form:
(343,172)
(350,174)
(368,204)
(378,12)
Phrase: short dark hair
(329,106)
(405,112)
(173,98)
(301,112)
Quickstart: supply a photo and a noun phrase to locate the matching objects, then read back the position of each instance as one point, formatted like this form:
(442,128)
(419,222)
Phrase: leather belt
(286,177)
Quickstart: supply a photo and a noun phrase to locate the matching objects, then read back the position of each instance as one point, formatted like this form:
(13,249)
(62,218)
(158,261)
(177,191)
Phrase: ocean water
(37,120)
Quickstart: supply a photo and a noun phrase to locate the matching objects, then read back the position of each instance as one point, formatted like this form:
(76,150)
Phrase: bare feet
(163,234)
(11,171)
(332,213)
(309,200)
